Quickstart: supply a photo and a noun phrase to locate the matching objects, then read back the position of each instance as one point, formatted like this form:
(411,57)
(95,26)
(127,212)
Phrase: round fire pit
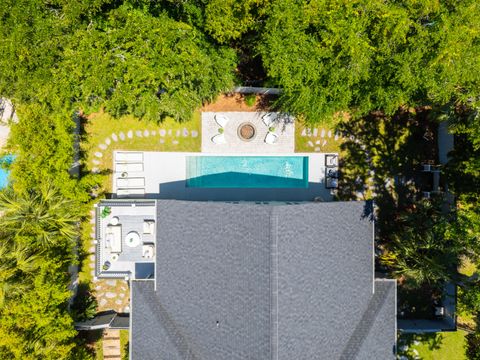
(246,131)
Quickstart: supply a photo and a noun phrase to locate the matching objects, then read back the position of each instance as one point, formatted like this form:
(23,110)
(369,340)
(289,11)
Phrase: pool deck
(164,174)
(234,145)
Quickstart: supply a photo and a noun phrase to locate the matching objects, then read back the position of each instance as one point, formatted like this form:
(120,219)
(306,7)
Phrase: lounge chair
(130,182)
(148,226)
(131,192)
(128,167)
(113,238)
(269,119)
(219,139)
(129,157)
(271,138)
(148,250)
(221,120)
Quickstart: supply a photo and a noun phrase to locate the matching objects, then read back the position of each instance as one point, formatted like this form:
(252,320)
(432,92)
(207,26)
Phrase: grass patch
(306,141)
(124,344)
(437,346)
(101,126)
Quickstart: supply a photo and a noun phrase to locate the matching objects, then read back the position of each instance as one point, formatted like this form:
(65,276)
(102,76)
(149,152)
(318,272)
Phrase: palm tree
(44,218)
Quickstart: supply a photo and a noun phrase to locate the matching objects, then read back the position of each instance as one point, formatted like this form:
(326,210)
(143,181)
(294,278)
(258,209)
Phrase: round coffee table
(246,131)
(132,239)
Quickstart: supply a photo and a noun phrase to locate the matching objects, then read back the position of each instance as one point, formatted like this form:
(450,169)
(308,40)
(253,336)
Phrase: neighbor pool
(247,171)
(4,162)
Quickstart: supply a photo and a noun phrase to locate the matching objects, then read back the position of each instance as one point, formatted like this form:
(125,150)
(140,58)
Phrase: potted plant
(106,211)
(271,129)
(220,130)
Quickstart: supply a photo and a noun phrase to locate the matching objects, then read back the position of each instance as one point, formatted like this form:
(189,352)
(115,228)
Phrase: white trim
(130,323)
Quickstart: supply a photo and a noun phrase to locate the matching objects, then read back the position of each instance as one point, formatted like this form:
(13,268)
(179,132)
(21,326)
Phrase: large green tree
(364,55)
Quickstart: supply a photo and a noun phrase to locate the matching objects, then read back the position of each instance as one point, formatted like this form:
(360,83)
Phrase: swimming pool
(247,171)
(4,162)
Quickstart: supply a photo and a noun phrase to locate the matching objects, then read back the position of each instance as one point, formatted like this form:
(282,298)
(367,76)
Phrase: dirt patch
(236,102)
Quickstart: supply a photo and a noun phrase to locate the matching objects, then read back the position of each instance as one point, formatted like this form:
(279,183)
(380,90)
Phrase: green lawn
(439,346)
(124,344)
(101,126)
(307,140)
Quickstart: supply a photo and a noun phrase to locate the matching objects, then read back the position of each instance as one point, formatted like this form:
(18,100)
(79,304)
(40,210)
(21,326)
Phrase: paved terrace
(165,175)
(234,145)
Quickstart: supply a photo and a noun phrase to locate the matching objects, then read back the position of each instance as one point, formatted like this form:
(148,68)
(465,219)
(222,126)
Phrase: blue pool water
(5,161)
(247,171)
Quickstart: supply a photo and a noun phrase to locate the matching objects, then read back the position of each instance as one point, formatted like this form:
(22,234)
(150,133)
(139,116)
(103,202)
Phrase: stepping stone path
(98,154)
(194,133)
(177,133)
(317,142)
(121,135)
(185,132)
(310,143)
(96,162)
(329,133)
(146,133)
(304,132)
(175,142)
(130,134)
(110,295)
(317,149)
(315,132)
(114,137)
(108,141)
(138,133)
(162,141)
(102,302)
(111,345)
(154,132)
(103,146)
(169,132)
(322,134)
(95,170)
(162,132)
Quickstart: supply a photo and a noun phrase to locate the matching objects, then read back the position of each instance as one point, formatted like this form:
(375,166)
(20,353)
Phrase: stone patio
(235,145)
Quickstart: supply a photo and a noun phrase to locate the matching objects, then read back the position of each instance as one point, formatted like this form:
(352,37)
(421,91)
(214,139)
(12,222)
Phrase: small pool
(247,171)
(5,161)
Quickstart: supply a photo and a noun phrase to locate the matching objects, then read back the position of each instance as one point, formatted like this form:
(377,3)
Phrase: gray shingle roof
(246,281)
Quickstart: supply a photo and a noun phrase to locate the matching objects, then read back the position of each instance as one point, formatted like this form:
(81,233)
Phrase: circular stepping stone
(146,133)
(177,133)
(110,295)
(329,133)
(118,302)
(169,132)
(96,162)
(98,154)
(310,143)
(162,132)
(154,132)
(162,141)
(114,137)
(185,132)
(138,133)
(103,146)
(194,133)
(304,132)
(108,141)
(317,149)
(103,302)
(317,142)
(175,142)
(121,135)
(122,295)
(130,134)
(111,282)
(322,133)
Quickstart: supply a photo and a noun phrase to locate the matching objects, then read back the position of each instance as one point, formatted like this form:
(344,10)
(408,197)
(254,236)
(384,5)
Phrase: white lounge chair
(128,167)
(131,157)
(148,226)
(113,238)
(130,182)
(221,120)
(269,119)
(271,138)
(148,250)
(130,192)
(219,139)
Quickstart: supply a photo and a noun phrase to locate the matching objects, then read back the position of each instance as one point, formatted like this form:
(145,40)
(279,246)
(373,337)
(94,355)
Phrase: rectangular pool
(247,171)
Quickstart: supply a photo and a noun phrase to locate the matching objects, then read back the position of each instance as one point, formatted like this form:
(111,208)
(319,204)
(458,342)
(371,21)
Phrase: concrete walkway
(111,345)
